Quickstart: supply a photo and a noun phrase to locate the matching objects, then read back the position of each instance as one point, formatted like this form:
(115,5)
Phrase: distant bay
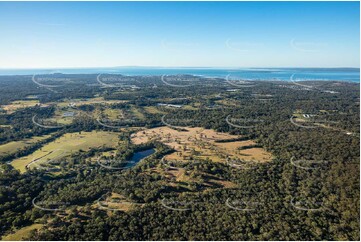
(282,74)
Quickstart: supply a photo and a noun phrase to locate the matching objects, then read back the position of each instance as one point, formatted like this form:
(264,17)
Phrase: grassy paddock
(202,143)
(22,233)
(14,146)
(65,145)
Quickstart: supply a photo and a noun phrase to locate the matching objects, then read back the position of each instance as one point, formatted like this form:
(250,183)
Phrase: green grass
(66,145)
(19,104)
(59,118)
(113,114)
(22,233)
(137,113)
(153,110)
(189,107)
(14,146)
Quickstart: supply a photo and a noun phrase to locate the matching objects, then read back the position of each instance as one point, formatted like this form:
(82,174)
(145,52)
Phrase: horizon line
(174,67)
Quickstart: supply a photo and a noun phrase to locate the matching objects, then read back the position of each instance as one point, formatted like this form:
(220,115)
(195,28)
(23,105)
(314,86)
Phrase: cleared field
(66,145)
(5,126)
(113,114)
(15,146)
(63,116)
(88,101)
(137,113)
(106,155)
(189,107)
(227,102)
(115,202)
(109,115)
(180,177)
(22,233)
(32,97)
(67,109)
(18,104)
(62,107)
(201,143)
(311,120)
(153,110)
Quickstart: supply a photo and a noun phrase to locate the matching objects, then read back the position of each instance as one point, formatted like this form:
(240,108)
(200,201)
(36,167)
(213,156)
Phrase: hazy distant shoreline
(280,74)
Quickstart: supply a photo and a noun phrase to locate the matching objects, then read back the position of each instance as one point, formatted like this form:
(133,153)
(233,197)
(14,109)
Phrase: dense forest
(308,191)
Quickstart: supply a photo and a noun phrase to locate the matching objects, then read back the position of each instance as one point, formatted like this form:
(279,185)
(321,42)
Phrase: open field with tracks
(66,145)
(115,202)
(15,146)
(202,144)
(19,104)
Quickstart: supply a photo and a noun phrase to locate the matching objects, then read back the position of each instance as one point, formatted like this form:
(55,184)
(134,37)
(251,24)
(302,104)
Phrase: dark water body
(282,74)
(138,156)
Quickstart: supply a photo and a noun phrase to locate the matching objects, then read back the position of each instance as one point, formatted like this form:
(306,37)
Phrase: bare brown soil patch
(199,143)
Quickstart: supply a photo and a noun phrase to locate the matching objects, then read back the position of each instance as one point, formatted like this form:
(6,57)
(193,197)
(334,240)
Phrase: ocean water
(283,74)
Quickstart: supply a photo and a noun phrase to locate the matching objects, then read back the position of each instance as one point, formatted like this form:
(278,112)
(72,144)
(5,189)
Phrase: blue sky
(197,34)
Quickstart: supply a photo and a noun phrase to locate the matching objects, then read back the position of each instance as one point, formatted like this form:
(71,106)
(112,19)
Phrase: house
(170,105)
(68,114)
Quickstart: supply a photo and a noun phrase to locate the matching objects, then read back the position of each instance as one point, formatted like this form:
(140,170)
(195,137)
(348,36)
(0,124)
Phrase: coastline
(249,74)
